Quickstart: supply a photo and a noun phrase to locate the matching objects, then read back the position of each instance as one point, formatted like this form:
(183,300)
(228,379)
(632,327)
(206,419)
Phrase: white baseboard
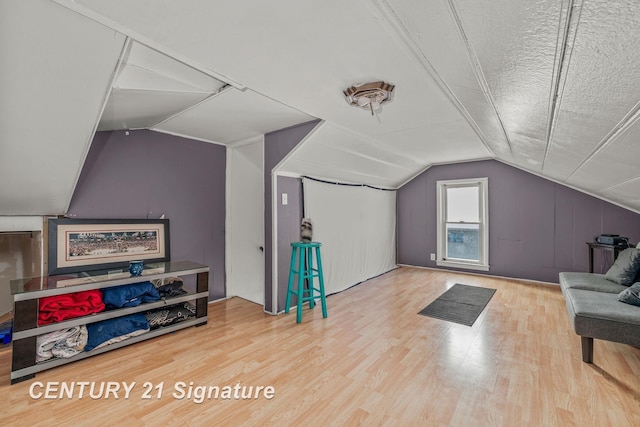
(536,282)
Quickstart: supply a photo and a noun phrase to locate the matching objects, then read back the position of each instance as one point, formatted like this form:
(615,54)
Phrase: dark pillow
(631,295)
(624,269)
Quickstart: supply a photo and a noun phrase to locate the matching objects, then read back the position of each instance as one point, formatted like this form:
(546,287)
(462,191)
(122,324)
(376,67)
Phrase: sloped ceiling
(42,144)
(551,87)
(155,91)
(151,87)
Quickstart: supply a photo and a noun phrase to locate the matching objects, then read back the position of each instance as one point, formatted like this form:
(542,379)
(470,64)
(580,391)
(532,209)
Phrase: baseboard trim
(534,282)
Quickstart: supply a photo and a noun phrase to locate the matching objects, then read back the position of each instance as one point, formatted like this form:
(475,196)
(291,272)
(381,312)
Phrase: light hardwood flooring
(373,361)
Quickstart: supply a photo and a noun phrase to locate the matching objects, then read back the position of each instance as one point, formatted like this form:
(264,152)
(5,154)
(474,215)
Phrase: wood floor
(373,361)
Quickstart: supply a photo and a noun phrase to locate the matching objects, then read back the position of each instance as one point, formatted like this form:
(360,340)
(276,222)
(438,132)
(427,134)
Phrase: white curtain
(357,228)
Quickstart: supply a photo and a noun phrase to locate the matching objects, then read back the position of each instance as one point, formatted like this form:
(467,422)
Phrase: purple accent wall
(276,146)
(147,174)
(537,228)
(289,219)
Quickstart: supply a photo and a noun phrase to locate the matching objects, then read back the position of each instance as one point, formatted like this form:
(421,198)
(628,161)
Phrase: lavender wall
(276,146)
(537,228)
(147,174)
(289,219)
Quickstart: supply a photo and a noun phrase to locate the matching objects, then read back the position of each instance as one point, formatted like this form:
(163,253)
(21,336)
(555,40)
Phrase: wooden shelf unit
(27,292)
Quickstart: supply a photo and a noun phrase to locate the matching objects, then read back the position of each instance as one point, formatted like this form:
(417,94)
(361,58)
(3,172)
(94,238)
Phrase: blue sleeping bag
(129,295)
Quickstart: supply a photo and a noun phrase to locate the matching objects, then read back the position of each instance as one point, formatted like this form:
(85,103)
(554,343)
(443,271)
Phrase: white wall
(20,253)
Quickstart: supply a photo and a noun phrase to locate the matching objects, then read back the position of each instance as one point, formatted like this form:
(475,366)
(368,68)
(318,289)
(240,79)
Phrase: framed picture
(92,244)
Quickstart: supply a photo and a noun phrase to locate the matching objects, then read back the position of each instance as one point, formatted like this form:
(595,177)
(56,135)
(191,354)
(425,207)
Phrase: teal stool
(302,254)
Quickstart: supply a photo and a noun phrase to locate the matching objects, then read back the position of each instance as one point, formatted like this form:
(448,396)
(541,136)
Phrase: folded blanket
(60,307)
(115,330)
(63,343)
(169,287)
(165,316)
(129,295)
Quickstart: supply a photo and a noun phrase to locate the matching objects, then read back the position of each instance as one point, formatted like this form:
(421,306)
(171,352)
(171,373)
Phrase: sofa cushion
(589,282)
(626,266)
(631,295)
(600,315)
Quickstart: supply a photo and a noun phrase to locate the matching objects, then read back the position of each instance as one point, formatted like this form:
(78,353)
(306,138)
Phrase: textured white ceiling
(547,86)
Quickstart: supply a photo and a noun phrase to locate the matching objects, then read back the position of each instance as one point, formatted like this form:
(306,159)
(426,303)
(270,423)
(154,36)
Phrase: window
(463,224)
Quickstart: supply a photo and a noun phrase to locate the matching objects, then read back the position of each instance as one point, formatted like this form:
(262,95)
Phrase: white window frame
(483,209)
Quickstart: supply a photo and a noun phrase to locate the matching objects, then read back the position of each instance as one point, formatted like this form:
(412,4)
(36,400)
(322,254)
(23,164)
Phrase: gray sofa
(595,312)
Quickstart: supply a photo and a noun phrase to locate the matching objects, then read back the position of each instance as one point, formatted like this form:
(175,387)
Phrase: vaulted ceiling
(548,86)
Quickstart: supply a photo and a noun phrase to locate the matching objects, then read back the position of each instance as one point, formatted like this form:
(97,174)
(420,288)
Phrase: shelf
(108,314)
(59,285)
(52,363)
(27,292)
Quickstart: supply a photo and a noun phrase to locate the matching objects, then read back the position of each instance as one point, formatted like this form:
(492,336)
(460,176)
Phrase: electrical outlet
(285,198)
(433,257)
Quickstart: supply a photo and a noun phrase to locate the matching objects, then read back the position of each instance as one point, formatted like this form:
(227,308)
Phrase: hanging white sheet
(357,228)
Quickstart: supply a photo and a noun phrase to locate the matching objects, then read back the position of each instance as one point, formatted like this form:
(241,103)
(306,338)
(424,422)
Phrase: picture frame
(76,245)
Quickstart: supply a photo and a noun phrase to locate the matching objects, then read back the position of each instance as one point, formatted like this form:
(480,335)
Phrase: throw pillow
(626,266)
(631,295)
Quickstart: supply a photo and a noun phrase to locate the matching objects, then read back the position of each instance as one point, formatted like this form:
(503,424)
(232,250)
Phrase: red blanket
(67,306)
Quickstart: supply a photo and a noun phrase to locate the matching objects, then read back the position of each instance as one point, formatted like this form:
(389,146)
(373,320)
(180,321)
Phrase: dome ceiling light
(369,95)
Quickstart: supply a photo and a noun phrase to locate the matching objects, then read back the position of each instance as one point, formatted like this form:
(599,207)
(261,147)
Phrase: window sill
(460,264)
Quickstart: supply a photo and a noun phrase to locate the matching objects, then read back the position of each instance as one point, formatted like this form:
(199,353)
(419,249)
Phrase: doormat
(460,304)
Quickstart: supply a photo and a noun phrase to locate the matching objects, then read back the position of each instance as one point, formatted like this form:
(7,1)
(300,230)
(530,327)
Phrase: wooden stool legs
(302,255)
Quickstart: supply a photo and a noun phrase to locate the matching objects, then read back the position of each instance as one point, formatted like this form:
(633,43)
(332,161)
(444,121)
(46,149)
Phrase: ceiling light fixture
(369,95)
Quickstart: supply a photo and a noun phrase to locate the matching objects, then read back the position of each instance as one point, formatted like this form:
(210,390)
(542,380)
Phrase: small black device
(611,239)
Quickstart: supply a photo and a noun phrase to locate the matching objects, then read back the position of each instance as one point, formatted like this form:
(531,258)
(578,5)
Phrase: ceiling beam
(478,72)
(564,46)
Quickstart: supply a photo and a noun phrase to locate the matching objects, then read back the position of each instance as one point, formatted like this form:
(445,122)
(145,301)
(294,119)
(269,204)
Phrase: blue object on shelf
(5,331)
(135,268)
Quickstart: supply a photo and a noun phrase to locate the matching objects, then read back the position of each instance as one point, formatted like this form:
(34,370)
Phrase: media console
(27,292)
